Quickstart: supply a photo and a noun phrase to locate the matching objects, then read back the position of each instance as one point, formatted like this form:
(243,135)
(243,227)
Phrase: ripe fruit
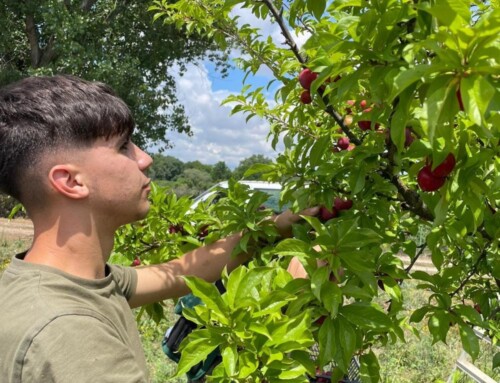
(342,204)
(320,320)
(136,262)
(477,308)
(409,138)
(364,125)
(445,167)
(305,97)
(306,77)
(326,214)
(351,147)
(343,143)
(203,232)
(427,181)
(363,104)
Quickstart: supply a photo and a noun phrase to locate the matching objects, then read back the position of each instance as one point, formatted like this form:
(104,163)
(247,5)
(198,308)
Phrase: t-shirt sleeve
(79,348)
(126,278)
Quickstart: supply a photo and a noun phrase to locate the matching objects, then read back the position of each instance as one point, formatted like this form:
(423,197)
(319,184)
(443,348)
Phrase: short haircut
(40,114)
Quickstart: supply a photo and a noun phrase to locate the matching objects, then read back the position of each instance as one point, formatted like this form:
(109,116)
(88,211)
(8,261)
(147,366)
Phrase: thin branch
(417,256)
(340,121)
(471,272)
(284,31)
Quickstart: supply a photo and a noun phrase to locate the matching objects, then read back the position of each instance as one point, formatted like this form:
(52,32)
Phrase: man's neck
(75,250)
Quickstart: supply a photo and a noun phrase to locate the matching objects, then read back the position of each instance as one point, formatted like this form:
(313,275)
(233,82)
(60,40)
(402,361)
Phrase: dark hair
(42,113)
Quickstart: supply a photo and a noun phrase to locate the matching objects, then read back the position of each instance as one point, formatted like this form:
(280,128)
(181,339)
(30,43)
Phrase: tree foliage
(249,162)
(111,41)
(408,83)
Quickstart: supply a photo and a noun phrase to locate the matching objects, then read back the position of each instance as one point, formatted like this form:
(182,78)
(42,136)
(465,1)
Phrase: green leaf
(248,364)
(293,247)
(468,313)
(331,297)
(366,315)
(470,342)
(233,282)
(208,293)
(273,302)
(477,93)
(230,360)
(496,361)
(347,340)
(439,324)
(357,178)
(436,103)
(369,368)
(318,278)
(327,342)
(195,348)
(419,314)
(248,286)
(316,7)
(296,329)
(400,119)
(259,328)
(318,149)
(292,373)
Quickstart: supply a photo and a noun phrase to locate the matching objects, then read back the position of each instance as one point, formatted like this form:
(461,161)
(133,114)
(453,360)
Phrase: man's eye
(124,147)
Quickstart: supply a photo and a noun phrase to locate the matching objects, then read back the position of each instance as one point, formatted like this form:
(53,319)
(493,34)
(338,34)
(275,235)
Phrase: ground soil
(15,229)
(21,228)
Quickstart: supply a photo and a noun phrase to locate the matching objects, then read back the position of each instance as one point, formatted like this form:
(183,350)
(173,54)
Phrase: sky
(217,135)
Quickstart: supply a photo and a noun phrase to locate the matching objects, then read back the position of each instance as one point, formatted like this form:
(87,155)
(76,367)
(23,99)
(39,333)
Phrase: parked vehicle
(271,188)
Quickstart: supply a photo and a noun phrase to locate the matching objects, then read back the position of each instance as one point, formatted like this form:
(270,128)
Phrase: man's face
(115,175)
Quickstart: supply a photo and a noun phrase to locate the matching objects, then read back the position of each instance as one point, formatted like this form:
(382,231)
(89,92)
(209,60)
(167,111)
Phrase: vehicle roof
(225,184)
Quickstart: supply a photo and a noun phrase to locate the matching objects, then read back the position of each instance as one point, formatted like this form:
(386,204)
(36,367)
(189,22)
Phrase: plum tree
(397,65)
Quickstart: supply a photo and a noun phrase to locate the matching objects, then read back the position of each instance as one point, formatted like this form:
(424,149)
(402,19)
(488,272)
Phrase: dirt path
(14,229)
(23,229)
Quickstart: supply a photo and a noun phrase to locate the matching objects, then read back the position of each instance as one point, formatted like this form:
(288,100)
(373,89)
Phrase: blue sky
(217,135)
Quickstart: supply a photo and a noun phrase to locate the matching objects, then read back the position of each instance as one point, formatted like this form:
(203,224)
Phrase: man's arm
(158,282)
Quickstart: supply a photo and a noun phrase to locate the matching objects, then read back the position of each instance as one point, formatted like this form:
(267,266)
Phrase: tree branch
(86,5)
(471,272)
(32,34)
(414,260)
(284,31)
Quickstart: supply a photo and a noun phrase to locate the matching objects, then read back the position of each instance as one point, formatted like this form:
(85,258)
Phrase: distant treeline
(192,178)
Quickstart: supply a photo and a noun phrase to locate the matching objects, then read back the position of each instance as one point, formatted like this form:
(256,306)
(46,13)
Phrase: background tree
(220,172)
(193,181)
(247,163)
(165,167)
(198,165)
(106,40)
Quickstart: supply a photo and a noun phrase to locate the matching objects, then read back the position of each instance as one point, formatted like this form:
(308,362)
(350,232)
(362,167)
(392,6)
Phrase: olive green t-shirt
(55,327)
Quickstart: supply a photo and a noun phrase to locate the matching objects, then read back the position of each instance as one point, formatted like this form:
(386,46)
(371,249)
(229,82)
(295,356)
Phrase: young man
(66,154)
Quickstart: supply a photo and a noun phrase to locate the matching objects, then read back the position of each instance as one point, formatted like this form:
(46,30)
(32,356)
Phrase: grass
(9,248)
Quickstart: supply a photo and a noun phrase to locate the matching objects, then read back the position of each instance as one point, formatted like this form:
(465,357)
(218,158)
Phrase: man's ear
(67,180)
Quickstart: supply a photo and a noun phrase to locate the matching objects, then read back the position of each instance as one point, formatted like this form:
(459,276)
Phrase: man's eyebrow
(124,138)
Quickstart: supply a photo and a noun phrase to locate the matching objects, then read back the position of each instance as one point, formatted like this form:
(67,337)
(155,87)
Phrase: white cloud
(217,135)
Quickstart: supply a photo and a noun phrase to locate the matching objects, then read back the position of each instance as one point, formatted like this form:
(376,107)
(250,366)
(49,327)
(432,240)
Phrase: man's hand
(285,220)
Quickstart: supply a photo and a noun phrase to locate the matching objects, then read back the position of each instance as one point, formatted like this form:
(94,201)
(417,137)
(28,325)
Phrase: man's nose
(144,160)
